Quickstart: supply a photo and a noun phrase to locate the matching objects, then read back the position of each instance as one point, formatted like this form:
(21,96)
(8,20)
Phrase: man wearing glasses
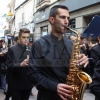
(18,70)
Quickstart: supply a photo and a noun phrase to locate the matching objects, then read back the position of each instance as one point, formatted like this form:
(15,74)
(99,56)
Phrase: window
(22,16)
(39,1)
(72,23)
(44,30)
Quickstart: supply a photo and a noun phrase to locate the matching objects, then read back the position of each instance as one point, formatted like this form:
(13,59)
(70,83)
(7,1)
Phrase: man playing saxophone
(50,56)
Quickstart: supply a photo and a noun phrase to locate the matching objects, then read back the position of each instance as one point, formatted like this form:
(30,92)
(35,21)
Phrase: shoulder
(42,40)
(96,47)
(12,47)
(68,40)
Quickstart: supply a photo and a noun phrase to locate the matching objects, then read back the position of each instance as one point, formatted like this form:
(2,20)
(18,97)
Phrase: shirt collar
(54,39)
(20,45)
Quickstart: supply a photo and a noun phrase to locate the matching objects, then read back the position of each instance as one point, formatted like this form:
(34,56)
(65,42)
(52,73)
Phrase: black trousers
(47,95)
(8,95)
(20,94)
(96,98)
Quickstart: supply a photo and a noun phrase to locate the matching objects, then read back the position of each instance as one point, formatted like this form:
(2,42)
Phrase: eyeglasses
(25,37)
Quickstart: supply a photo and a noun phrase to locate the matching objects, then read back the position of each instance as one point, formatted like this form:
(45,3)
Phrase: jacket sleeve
(38,78)
(95,86)
(3,58)
(95,56)
(10,60)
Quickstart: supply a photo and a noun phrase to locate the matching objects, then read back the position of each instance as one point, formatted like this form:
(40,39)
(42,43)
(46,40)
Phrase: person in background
(30,42)
(2,60)
(84,45)
(8,46)
(8,94)
(18,70)
(95,54)
(15,40)
(72,37)
(47,53)
(85,50)
(3,43)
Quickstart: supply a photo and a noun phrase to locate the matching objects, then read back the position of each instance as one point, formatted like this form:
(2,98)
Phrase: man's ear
(51,19)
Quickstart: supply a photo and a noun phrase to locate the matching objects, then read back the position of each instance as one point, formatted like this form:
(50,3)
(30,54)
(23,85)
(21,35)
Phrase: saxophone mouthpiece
(68,28)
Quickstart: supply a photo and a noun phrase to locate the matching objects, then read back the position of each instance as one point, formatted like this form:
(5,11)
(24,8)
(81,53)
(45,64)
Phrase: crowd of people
(40,63)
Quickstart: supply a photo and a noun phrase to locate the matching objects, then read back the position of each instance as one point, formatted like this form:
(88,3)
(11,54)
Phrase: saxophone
(76,77)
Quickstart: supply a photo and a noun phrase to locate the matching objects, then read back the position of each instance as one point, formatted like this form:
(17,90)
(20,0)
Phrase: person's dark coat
(95,70)
(18,76)
(95,54)
(50,66)
(87,53)
(2,60)
(95,86)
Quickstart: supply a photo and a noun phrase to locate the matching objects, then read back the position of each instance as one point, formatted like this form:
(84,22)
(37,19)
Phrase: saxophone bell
(84,77)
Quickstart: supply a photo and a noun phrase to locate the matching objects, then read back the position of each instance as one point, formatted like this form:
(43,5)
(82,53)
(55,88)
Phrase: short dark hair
(83,38)
(99,35)
(1,41)
(54,10)
(23,30)
(16,38)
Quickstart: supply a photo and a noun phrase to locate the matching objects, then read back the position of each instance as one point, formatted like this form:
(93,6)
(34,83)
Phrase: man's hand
(24,63)
(64,91)
(83,46)
(2,53)
(83,60)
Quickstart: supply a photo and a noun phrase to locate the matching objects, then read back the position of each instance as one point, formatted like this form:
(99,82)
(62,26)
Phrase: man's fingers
(67,87)
(86,64)
(81,57)
(65,94)
(82,60)
(62,97)
(26,60)
(64,91)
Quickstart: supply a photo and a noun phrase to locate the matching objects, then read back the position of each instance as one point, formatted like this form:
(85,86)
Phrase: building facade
(24,15)
(9,23)
(81,13)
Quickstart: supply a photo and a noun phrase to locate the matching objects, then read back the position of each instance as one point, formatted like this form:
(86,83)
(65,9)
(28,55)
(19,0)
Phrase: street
(87,95)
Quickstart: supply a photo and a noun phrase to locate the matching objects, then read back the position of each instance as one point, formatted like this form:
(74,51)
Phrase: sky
(18,2)
(3,7)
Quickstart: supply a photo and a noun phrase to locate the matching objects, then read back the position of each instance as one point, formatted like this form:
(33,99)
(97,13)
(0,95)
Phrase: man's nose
(26,39)
(66,21)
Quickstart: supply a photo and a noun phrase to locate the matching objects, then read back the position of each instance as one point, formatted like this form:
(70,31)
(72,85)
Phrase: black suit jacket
(2,60)
(95,54)
(95,68)
(18,76)
(95,86)
(49,66)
